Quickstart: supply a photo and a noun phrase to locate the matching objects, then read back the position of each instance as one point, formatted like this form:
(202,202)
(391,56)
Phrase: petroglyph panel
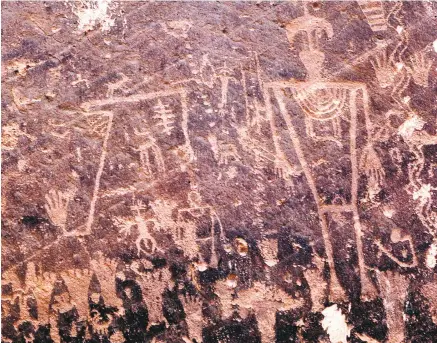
(219,172)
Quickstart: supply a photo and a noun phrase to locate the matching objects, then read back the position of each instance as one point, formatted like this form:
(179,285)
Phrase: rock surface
(219,172)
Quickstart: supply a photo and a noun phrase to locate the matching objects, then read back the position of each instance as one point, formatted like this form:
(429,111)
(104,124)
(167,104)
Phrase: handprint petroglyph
(193,311)
(105,270)
(153,284)
(41,284)
(77,282)
(419,67)
(203,180)
(385,69)
(57,207)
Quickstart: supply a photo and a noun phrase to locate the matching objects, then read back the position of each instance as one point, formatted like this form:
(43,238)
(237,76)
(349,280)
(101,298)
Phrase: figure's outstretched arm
(283,168)
(370,161)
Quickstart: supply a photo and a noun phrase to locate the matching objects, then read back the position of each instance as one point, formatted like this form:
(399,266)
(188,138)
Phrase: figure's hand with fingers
(193,310)
(385,69)
(77,282)
(124,225)
(191,303)
(283,169)
(106,271)
(372,165)
(419,68)
(42,287)
(280,168)
(56,207)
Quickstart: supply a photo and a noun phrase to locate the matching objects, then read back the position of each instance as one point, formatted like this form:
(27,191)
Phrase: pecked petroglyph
(219,172)
(323,102)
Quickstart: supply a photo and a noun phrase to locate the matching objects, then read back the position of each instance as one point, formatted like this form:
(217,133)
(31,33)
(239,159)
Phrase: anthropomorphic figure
(145,241)
(150,151)
(196,230)
(328,113)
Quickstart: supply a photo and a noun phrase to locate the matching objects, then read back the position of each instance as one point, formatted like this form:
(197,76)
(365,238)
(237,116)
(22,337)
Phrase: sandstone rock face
(219,172)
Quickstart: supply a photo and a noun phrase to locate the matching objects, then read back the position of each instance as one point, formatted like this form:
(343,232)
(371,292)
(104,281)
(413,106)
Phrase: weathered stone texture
(219,172)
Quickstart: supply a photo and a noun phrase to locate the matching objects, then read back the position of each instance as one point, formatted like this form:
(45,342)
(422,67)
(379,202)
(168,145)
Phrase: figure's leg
(367,288)
(224,99)
(394,292)
(54,328)
(368,291)
(154,243)
(214,259)
(309,127)
(336,125)
(336,292)
(317,284)
(138,245)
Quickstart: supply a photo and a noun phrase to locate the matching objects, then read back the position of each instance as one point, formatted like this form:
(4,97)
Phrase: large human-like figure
(322,123)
